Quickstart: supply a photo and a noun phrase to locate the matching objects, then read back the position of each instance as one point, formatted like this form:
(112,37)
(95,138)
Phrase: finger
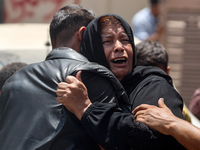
(60,92)
(141,107)
(139,113)
(59,99)
(78,75)
(62,85)
(161,103)
(140,119)
(138,108)
(71,79)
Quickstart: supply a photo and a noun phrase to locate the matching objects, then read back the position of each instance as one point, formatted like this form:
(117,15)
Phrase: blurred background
(24,32)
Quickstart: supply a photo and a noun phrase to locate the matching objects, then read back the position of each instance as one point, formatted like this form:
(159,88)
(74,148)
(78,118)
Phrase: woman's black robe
(108,124)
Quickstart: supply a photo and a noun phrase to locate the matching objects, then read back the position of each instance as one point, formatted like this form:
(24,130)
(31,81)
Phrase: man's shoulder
(65,53)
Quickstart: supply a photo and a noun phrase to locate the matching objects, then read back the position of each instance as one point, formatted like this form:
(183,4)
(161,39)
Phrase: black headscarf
(92,46)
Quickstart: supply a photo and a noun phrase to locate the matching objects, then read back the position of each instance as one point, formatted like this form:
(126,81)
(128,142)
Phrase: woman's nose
(118,47)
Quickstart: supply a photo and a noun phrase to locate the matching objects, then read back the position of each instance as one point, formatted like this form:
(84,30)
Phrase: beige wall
(42,11)
(124,8)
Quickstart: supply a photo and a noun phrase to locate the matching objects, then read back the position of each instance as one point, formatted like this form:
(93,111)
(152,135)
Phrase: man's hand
(158,118)
(73,95)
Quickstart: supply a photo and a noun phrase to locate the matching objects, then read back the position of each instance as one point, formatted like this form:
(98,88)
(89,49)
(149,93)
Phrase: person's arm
(78,98)
(162,119)
(107,124)
(104,122)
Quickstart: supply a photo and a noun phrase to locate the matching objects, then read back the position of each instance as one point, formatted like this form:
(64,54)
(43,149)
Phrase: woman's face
(118,50)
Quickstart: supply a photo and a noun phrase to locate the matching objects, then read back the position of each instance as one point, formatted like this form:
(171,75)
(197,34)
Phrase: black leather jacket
(30,116)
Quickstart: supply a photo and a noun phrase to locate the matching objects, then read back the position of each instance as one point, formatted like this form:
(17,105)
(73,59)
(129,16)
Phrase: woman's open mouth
(119,60)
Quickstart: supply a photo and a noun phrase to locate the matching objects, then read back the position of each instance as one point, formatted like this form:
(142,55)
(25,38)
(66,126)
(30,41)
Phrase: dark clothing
(111,127)
(30,116)
(147,84)
(115,129)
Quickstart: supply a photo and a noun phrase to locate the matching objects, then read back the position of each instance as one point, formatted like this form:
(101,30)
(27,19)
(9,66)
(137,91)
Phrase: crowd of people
(96,89)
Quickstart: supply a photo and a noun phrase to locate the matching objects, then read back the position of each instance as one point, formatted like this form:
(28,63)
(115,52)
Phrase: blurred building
(182,41)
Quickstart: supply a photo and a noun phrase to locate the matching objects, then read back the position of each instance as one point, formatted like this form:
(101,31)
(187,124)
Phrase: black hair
(151,53)
(67,21)
(154,2)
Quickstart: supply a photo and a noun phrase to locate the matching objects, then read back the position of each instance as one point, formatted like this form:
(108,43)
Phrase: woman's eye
(107,41)
(125,40)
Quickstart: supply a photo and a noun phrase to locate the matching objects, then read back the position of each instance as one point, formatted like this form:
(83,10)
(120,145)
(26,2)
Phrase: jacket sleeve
(113,129)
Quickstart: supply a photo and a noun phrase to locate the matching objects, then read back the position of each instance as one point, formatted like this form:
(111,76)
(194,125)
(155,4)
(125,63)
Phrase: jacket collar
(65,53)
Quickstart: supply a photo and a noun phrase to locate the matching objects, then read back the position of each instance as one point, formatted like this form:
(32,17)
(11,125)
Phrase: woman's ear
(80,31)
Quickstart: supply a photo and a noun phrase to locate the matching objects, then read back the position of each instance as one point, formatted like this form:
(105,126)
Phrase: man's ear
(80,31)
(168,69)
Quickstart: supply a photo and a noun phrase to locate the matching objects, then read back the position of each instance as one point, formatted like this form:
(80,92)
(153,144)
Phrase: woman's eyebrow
(107,35)
(124,34)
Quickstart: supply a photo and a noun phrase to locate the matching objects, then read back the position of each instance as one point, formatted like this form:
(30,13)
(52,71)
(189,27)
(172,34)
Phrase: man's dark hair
(151,53)
(8,70)
(67,21)
(154,2)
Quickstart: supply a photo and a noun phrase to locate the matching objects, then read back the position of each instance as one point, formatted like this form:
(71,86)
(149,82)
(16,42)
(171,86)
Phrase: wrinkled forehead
(110,23)
(105,21)
(110,30)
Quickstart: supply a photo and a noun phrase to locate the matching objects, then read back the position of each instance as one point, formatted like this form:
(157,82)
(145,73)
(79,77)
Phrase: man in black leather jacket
(30,116)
